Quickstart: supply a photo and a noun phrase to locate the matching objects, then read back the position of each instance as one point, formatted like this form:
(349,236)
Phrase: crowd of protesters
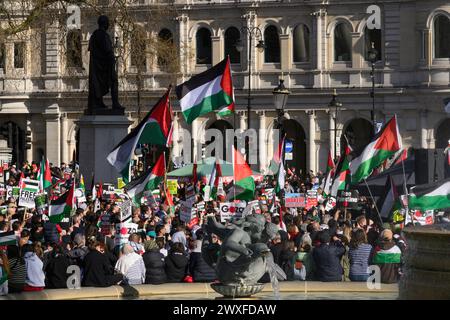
(338,245)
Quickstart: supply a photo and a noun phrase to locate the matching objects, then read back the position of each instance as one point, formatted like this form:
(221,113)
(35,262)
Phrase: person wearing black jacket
(56,269)
(286,259)
(327,257)
(154,264)
(198,268)
(176,263)
(98,271)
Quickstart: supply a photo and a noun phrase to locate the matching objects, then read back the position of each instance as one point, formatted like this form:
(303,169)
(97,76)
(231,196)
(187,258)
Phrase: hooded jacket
(176,266)
(56,272)
(35,274)
(98,271)
(155,272)
(327,259)
(388,257)
(198,268)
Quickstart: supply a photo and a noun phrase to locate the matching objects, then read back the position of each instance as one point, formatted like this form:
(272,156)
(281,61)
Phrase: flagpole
(376,207)
(406,189)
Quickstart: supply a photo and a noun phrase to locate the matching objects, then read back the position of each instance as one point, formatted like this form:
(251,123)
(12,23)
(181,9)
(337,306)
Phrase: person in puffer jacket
(388,257)
(154,264)
(176,263)
(198,268)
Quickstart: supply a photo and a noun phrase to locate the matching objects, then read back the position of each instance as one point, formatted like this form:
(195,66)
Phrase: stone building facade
(315,46)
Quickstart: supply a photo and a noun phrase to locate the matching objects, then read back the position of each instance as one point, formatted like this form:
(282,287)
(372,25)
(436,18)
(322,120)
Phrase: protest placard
(331,203)
(231,209)
(269,193)
(187,212)
(189,192)
(347,199)
(294,200)
(123,232)
(126,208)
(423,218)
(28,190)
(311,199)
(80,196)
(172,185)
(120,183)
(40,203)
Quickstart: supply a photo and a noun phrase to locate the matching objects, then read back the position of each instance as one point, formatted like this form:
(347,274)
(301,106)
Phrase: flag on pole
(147,182)
(281,172)
(208,91)
(155,128)
(430,196)
(390,201)
(275,162)
(383,146)
(44,175)
(214,180)
(244,184)
(342,177)
(329,173)
(62,206)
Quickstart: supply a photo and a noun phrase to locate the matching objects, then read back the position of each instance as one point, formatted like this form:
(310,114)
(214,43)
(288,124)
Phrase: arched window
(301,43)
(342,43)
(204,46)
(73,45)
(165,45)
(441,37)
(272,45)
(232,35)
(372,35)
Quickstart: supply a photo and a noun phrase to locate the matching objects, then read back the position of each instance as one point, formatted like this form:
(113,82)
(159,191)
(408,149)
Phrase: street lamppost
(252,32)
(373,57)
(335,104)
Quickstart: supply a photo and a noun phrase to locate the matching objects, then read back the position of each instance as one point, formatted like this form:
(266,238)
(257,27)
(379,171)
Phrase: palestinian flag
(147,182)
(281,172)
(45,175)
(390,201)
(341,179)
(244,184)
(208,91)
(383,146)
(329,173)
(155,129)
(62,206)
(430,196)
(81,185)
(275,162)
(214,180)
(8,238)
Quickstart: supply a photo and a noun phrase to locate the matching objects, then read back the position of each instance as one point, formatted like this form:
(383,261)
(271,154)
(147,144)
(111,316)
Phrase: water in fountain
(275,272)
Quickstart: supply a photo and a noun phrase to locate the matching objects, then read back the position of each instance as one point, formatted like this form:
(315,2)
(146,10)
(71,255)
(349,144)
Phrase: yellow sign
(172,185)
(120,183)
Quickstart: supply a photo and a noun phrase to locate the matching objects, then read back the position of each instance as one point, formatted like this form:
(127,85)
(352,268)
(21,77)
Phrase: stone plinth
(427,263)
(99,134)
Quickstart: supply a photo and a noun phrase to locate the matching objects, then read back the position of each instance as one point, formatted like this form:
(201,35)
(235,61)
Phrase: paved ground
(288,290)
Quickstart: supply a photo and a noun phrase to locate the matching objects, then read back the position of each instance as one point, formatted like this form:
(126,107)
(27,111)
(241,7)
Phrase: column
(285,51)
(196,155)
(64,139)
(29,152)
(262,152)
(183,42)
(332,133)
(423,129)
(52,134)
(217,52)
(312,165)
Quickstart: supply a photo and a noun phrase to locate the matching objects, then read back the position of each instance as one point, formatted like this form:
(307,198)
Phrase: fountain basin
(237,290)
(427,263)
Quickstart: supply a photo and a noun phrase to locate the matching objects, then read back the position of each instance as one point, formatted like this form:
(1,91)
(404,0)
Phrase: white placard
(28,190)
(123,232)
(231,209)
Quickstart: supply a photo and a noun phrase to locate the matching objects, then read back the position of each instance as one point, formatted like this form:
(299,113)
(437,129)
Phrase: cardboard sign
(172,185)
(126,208)
(294,200)
(252,207)
(231,209)
(28,191)
(311,199)
(331,203)
(347,199)
(105,224)
(40,203)
(79,195)
(123,232)
(424,218)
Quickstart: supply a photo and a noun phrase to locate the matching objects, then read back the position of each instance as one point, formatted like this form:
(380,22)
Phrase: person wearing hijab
(131,265)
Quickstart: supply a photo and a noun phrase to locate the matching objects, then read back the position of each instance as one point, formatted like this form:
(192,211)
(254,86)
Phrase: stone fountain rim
(435,229)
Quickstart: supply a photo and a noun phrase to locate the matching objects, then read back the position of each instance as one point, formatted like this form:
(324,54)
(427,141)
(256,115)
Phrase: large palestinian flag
(62,206)
(8,238)
(208,91)
(44,175)
(431,196)
(281,172)
(383,146)
(244,184)
(214,180)
(342,172)
(148,181)
(155,128)
(329,174)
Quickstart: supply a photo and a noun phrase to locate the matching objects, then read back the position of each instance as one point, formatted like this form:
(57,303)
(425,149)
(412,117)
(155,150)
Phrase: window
(372,35)
(2,56)
(301,43)
(342,43)
(272,45)
(138,56)
(73,45)
(165,40)
(19,54)
(441,37)
(232,35)
(204,46)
